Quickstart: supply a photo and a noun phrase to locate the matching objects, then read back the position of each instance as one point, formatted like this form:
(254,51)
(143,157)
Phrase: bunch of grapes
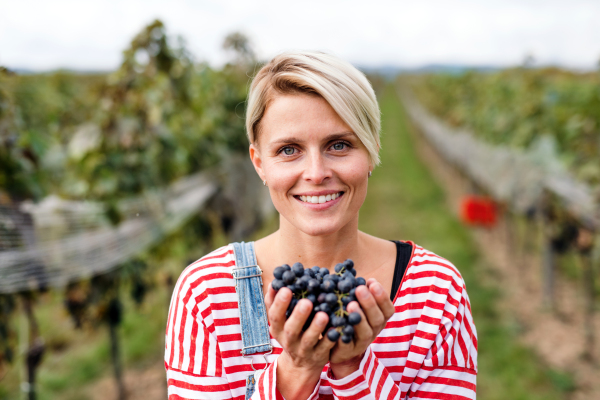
(330,293)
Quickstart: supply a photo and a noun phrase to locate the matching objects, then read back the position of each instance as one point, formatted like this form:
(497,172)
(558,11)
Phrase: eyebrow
(297,139)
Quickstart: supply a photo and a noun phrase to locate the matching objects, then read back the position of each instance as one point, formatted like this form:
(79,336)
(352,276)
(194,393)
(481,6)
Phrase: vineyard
(111,183)
(107,179)
(527,142)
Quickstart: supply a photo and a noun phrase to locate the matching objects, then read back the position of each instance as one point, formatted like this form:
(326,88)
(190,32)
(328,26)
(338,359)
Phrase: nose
(316,169)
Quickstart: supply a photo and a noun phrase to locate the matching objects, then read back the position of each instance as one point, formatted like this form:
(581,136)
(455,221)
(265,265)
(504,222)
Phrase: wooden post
(548,265)
(36,348)
(590,296)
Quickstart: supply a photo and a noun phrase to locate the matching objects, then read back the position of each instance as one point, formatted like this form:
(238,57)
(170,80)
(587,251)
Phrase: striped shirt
(427,350)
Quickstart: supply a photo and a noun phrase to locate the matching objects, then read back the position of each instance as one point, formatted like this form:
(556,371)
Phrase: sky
(91,34)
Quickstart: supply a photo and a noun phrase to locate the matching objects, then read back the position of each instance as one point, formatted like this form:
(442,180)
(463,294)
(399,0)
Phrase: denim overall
(253,314)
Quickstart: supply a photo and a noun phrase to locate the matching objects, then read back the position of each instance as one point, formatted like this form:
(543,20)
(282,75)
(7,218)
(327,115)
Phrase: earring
(265,182)
(369,174)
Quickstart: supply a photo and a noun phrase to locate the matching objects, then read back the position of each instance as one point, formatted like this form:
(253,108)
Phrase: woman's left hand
(376,310)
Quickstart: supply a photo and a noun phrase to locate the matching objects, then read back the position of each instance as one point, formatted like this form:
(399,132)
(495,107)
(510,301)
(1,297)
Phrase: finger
(276,312)
(363,332)
(371,281)
(311,336)
(370,307)
(293,326)
(383,300)
(325,345)
(270,296)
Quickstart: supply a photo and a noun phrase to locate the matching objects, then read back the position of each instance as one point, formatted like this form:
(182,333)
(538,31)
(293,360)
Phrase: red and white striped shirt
(427,350)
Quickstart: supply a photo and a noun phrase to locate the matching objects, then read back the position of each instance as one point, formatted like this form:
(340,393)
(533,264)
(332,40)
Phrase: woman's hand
(376,310)
(304,353)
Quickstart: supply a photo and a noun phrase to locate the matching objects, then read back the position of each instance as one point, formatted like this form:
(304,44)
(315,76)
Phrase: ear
(256,161)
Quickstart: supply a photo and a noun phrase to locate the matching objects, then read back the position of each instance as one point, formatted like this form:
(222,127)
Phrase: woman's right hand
(304,353)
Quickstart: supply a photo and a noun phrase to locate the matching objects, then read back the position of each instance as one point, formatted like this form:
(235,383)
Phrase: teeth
(319,199)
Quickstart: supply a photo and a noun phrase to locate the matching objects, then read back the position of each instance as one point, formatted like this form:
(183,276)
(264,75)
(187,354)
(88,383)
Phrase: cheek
(281,178)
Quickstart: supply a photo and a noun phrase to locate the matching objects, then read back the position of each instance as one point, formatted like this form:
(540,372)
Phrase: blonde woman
(313,124)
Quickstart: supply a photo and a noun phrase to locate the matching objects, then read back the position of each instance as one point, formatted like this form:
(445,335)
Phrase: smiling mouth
(319,199)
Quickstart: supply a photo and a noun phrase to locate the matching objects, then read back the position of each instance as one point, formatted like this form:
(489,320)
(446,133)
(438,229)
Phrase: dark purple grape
(353,272)
(338,267)
(312,298)
(292,287)
(360,281)
(298,269)
(301,284)
(351,298)
(344,286)
(333,335)
(348,330)
(321,297)
(278,272)
(331,299)
(346,339)
(292,305)
(286,267)
(354,318)
(288,277)
(338,321)
(277,284)
(346,300)
(328,286)
(325,308)
(349,264)
(347,275)
(324,271)
(315,269)
(352,292)
(313,285)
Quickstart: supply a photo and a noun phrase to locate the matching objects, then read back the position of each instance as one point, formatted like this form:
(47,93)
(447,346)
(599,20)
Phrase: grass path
(404,202)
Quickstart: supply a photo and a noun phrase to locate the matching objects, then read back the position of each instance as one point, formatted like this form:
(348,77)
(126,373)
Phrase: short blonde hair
(344,87)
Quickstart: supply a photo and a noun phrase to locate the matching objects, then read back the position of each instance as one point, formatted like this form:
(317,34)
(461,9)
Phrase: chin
(321,228)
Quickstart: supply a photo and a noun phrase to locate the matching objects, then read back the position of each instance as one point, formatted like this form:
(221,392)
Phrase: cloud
(92,34)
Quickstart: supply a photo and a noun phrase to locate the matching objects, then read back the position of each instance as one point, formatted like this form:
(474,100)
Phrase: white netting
(57,241)
(514,177)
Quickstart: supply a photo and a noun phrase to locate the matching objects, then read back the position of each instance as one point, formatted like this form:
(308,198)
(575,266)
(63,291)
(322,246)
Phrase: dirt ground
(146,384)
(557,336)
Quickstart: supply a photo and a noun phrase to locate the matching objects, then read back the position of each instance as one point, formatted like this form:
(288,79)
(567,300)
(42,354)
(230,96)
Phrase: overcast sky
(91,34)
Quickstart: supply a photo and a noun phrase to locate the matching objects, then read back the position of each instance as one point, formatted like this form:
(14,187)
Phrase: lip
(320,206)
(318,193)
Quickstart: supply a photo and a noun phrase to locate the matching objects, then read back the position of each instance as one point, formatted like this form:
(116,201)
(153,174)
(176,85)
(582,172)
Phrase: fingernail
(320,320)
(285,294)
(362,293)
(305,306)
(377,289)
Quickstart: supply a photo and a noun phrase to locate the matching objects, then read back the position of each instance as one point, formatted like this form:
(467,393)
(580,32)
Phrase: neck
(291,245)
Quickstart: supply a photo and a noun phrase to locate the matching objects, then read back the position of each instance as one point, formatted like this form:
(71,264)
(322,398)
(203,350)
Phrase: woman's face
(316,168)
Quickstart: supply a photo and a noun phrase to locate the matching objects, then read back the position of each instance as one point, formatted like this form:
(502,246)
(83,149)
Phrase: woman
(313,124)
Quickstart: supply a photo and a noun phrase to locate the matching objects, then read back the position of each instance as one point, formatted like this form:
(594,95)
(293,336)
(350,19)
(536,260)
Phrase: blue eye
(288,151)
(339,146)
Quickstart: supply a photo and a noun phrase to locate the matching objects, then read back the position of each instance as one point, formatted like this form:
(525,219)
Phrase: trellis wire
(516,178)
(54,242)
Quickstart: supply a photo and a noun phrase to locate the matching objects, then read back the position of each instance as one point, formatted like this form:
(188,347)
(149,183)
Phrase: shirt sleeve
(266,385)
(442,355)
(192,357)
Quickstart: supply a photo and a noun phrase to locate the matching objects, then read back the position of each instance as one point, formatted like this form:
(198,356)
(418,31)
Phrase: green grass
(404,202)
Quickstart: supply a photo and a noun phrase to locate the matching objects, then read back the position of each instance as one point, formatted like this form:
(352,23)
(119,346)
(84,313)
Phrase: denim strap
(253,313)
